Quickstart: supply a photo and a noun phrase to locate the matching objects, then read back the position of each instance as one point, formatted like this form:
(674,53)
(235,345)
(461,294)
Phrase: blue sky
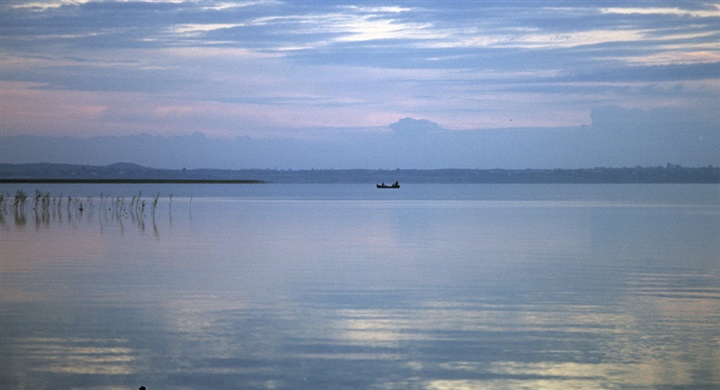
(325,70)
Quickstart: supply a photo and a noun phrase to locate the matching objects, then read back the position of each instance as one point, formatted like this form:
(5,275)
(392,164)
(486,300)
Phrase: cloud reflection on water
(79,356)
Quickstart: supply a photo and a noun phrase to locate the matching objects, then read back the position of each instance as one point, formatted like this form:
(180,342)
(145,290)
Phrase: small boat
(383,185)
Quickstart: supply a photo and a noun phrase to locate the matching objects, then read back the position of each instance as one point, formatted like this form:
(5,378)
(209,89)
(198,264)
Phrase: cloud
(617,137)
(296,69)
(409,127)
(675,11)
(43,6)
(652,73)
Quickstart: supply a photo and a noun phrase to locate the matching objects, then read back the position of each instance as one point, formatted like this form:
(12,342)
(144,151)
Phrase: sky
(435,84)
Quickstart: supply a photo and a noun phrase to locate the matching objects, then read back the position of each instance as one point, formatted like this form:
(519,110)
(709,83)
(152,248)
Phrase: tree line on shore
(131,173)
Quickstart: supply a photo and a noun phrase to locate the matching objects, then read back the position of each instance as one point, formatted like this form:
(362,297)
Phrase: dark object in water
(142,388)
(383,185)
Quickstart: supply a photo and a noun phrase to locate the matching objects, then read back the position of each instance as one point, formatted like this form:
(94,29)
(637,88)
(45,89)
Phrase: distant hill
(127,172)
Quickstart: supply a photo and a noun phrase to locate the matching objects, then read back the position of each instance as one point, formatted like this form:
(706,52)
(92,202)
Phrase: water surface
(346,286)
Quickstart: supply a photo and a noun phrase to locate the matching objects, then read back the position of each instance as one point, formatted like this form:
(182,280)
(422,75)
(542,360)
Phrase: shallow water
(346,286)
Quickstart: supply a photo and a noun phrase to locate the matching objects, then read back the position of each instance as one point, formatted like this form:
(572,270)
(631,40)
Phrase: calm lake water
(345,286)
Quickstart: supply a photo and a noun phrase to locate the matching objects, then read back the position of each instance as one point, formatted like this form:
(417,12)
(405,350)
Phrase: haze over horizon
(375,84)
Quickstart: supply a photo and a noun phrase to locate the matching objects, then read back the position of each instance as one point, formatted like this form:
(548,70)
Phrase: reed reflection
(19,217)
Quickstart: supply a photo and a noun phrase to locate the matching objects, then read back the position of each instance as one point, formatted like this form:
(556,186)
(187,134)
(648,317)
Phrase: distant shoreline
(126,173)
(127,181)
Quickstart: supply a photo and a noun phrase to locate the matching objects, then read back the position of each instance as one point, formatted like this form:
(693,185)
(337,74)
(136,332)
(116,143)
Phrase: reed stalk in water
(155,202)
(19,201)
